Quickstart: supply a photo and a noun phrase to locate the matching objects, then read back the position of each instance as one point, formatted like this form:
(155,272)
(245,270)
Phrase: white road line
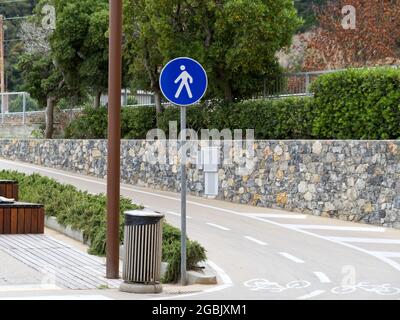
(387,254)
(291,257)
(277,215)
(336,228)
(255,240)
(218,226)
(363,240)
(311,295)
(322,277)
(177,214)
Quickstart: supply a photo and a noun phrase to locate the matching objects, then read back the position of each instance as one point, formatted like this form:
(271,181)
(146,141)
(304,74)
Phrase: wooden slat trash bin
(21,218)
(9,189)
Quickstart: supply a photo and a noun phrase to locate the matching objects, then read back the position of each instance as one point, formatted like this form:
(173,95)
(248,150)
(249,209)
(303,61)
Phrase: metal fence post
(307,83)
(265,89)
(23,107)
(2,107)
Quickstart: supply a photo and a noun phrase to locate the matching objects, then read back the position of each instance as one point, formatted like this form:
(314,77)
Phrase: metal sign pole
(183,82)
(183,196)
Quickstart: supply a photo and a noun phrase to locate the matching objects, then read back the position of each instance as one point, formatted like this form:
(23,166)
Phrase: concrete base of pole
(129,287)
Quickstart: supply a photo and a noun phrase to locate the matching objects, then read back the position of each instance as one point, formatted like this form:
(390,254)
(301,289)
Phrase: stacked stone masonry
(348,180)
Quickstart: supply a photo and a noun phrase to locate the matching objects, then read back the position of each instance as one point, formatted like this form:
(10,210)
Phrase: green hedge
(92,124)
(353,104)
(87,212)
(272,119)
(358,104)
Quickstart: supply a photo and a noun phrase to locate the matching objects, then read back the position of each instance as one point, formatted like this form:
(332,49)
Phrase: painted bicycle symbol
(383,289)
(274,287)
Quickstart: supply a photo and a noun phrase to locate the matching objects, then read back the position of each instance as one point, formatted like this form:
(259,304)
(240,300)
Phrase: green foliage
(87,212)
(41,78)
(137,121)
(92,124)
(306,10)
(79,43)
(358,104)
(16,104)
(13,49)
(355,104)
(236,40)
(273,119)
(172,253)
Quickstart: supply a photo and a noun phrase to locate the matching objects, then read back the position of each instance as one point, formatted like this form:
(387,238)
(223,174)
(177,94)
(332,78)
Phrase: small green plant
(87,212)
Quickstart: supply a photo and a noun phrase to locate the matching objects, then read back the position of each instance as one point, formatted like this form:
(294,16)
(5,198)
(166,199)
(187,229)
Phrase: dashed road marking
(311,295)
(256,240)
(218,226)
(291,257)
(322,277)
(335,228)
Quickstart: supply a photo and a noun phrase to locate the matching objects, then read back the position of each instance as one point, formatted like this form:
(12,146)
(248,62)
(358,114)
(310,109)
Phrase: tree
(306,10)
(42,78)
(44,82)
(143,58)
(79,44)
(375,36)
(236,40)
(12,45)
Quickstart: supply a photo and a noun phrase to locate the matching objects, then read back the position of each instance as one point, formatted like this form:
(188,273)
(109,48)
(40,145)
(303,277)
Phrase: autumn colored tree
(354,33)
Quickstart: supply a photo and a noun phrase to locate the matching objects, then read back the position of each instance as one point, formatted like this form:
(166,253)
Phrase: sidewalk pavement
(29,280)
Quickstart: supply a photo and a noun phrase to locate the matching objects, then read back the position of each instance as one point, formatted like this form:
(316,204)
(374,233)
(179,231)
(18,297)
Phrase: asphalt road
(271,254)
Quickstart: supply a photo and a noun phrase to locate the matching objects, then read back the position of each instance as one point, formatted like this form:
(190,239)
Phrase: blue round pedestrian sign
(183,81)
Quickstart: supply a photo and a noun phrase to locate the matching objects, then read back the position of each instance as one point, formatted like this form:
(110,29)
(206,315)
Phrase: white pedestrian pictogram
(185,79)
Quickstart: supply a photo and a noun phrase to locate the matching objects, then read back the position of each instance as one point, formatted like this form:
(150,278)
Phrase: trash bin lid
(142,217)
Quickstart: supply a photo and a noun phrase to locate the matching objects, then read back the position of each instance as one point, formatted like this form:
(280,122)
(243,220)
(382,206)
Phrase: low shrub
(92,123)
(87,212)
(358,104)
(271,119)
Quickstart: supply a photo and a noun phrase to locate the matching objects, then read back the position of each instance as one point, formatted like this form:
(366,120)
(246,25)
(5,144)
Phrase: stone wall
(349,180)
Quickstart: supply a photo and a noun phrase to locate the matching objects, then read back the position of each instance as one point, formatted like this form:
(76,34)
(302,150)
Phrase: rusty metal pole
(114,138)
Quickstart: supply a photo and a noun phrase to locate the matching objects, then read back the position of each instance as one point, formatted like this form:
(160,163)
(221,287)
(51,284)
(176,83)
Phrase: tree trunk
(159,107)
(228,95)
(226,85)
(97,99)
(157,98)
(50,118)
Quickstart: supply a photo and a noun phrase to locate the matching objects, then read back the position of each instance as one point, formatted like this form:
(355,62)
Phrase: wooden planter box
(9,189)
(21,218)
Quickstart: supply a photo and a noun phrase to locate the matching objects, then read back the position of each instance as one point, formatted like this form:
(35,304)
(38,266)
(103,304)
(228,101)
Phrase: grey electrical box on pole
(183,82)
